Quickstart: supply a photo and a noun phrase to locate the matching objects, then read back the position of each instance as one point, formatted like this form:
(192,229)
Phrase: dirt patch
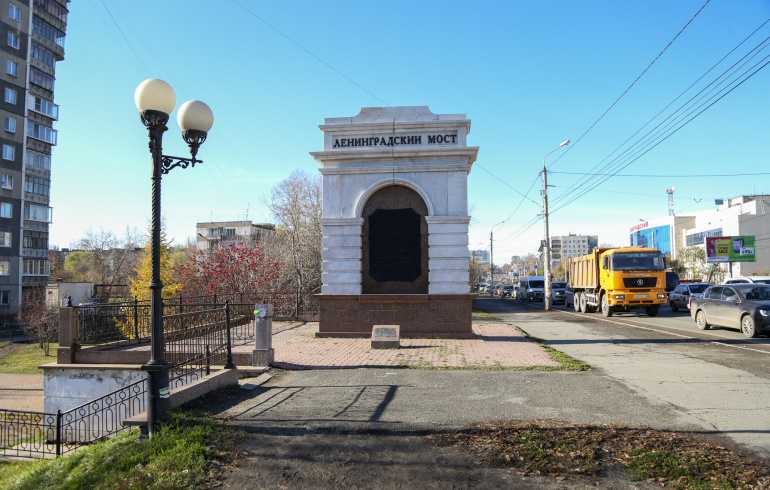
(546,455)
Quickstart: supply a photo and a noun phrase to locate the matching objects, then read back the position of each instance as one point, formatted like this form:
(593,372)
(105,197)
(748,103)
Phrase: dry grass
(565,451)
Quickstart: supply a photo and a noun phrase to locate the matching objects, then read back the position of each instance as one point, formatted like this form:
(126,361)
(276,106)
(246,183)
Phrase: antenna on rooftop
(670,192)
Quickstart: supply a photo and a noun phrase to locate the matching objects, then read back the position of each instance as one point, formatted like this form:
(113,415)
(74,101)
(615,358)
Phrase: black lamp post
(155,100)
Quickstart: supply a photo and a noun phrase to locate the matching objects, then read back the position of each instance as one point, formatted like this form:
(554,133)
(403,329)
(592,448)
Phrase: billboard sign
(730,249)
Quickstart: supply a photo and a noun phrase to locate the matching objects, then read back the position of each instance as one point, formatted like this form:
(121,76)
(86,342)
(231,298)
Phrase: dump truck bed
(583,272)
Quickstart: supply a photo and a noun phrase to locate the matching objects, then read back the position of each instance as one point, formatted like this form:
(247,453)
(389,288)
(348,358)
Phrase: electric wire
(317,58)
(576,142)
(584,181)
(650,146)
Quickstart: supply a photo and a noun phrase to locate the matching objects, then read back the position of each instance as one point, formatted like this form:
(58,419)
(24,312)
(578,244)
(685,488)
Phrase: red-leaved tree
(243,267)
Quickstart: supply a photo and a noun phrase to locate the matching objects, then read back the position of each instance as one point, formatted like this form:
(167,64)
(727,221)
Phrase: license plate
(640,296)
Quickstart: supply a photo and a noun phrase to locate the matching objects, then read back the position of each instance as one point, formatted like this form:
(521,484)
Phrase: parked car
(749,280)
(507,290)
(499,290)
(683,294)
(743,306)
(559,291)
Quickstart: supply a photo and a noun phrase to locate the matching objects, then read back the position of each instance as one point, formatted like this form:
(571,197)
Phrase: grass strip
(26,359)
(188,452)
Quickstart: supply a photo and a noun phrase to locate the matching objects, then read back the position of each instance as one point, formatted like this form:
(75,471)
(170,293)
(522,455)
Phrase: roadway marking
(721,342)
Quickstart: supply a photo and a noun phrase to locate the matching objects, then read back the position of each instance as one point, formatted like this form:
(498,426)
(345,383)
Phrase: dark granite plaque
(394,245)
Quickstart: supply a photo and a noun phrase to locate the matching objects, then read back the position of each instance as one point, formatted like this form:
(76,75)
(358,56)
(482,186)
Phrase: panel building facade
(31,42)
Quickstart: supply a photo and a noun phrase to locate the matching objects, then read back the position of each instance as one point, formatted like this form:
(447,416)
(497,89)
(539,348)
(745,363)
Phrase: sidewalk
(21,392)
(496,346)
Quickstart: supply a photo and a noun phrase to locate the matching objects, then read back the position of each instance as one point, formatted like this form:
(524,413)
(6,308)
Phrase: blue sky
(528,74)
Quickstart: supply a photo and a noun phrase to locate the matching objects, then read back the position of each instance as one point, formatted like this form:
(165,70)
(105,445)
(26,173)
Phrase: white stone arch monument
(385,160)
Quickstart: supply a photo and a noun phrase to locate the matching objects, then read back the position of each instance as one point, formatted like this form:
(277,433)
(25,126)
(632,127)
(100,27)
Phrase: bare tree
(38,321)
(295,203)
(103,258)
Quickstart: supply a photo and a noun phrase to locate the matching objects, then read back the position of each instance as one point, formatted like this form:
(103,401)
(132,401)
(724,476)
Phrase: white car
(748,279)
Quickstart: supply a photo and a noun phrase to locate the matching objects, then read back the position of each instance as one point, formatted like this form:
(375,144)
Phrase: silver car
(559,291)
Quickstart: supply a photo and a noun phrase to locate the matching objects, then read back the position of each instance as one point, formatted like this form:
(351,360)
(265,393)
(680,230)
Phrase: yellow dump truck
(617,279)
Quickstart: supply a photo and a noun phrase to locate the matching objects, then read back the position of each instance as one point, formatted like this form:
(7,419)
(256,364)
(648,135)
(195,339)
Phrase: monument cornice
(470,152)
(395,126)
(389,169)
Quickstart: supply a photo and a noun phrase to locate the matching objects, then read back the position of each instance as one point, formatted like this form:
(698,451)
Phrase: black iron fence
(129,322)
(44,435)
(194,340)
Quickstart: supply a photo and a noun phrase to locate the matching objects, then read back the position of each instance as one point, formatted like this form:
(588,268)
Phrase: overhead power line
(630,86)
(317,58)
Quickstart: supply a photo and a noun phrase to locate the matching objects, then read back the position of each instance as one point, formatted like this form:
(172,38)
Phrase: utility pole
(491,259)
(547,294)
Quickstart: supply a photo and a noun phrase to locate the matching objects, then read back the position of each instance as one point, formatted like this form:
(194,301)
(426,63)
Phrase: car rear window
(698,288)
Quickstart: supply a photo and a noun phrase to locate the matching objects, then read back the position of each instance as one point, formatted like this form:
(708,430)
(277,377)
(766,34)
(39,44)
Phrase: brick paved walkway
(496,346)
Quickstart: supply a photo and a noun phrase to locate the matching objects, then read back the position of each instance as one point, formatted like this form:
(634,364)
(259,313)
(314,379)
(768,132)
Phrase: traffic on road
(680,320)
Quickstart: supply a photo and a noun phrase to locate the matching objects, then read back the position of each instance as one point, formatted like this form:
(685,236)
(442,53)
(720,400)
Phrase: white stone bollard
(263,335)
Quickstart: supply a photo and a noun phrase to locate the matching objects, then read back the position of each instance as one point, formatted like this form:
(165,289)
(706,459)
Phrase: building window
(48,31)
(35,268)
(39,160)
(5,268)
(5,238)
(13,40)
(46,107)
(36,185)
(41,132)
(9,124)
(5,297)
(8,152)
(12,68)
(42,54)
(14,12)
(53,8)
(41,78)
(6,181)
(6,210)
(35,212)
(35,239)
(10,96)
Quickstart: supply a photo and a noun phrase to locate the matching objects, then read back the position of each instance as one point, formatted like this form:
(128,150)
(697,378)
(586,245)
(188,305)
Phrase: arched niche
(394,241)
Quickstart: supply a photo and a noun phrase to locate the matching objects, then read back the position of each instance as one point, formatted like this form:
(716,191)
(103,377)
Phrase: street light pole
(547,293)
(155,100)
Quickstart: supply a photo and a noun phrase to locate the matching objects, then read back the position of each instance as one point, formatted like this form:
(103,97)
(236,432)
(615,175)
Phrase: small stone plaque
(386,336)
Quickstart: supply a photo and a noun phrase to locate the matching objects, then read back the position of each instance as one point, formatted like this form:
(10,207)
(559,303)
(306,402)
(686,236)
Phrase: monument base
(446,316)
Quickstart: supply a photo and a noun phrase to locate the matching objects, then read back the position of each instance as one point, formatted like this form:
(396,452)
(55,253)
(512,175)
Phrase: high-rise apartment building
(564,247)
(32,41)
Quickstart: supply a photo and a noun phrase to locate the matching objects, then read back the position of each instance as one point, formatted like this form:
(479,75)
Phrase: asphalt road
(718,378)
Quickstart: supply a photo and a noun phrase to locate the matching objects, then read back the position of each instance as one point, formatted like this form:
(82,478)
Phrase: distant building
(222,233)
(564,247)
(743,215)
(34,32)
(480,255)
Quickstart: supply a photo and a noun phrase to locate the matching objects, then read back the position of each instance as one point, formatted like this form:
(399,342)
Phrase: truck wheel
(583,303)
(673,306)
(653,310)
(607,310)
(576,301)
